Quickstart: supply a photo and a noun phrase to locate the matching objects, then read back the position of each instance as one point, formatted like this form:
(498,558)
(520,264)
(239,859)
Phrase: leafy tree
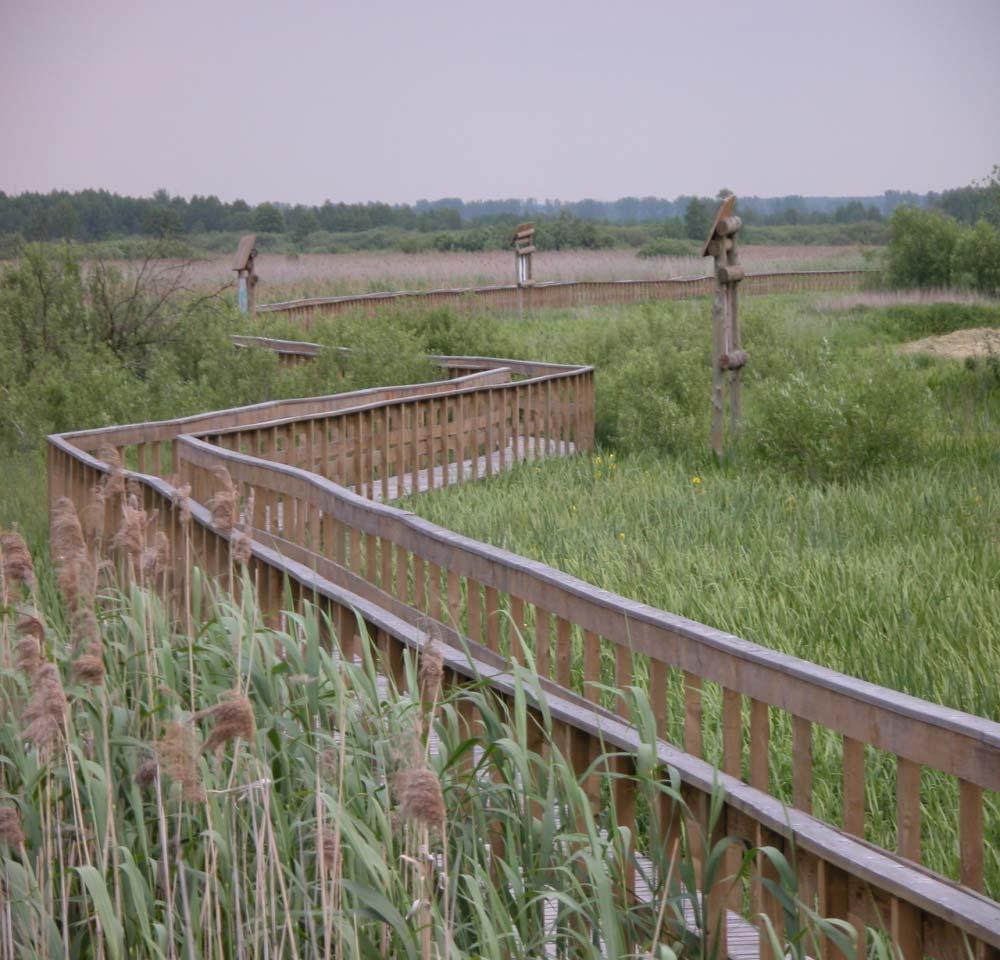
(977,258)
(697,219)
(921,247)
(267,218)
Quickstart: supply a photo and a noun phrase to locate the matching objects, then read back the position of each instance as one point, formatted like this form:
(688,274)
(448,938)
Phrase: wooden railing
(311,475)
(562,294)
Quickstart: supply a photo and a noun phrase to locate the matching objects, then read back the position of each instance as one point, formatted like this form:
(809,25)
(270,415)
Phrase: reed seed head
(233,718)
(89,667)
(113,483)
(145,774)
(420,797)
(18,567)
(431,670)
(177,753)
(156,558)
(11,832)
(131,535)
(240,545)
(225,502)
(45,712)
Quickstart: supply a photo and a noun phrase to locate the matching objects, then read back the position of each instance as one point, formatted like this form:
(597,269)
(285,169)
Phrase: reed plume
(177,753)
(420,797)
(145,774)
(233,718)
(431,670)
(18,567)
(240,545)
(77,580)
(156,557)
(113,483)
(45,713)
(28,656)
(130,537)
(89,666)
(11,832)
(224,504)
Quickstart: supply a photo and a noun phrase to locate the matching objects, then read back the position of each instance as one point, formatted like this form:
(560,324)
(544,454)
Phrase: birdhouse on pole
(246,255)
(728,355)
(524,247)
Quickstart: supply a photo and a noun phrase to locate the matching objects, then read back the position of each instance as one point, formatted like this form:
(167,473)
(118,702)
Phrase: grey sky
(395,100)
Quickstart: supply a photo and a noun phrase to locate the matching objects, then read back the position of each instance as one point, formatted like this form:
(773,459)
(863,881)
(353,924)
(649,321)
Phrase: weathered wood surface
(344,548)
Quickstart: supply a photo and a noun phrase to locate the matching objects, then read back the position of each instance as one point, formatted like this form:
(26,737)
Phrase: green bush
(921,248)
(842,420)
(669,247)
(977,258)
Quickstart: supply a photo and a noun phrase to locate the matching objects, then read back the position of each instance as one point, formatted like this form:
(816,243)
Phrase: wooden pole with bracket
(728,355)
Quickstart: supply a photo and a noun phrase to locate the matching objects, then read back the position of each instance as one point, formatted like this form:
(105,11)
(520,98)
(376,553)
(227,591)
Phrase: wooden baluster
(564,651)
(492,619)
(970,834)
(854,787)
(474,609)
(419,584)
(591,666)
(434,593)
(732,764)
(542,643)
(385,558)
(361,455)
(488,434)
(371,557)
(310,446)
(402,573)
(547,429)
(906,926)
(342,477)
(908,808)
(623,677)
(768,902)
(475,397)
(355,538)
(693,742)
(460,441)
(454,612)
(504,397)
(517,644)
(802,764)
(415,409)
(324,447)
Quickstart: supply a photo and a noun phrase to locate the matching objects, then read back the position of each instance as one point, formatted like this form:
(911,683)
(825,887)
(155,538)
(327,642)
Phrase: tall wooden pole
(728,356)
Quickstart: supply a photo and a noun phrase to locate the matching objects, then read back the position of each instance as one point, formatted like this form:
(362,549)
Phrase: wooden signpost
(246,255)
(728,355)
(524,247)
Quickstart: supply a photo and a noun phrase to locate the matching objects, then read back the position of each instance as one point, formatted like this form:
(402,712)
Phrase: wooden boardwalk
(344,549)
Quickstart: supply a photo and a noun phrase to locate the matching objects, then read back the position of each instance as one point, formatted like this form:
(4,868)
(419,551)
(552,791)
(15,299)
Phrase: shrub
(921,247)
(844,422)
(669,247)
(977,258)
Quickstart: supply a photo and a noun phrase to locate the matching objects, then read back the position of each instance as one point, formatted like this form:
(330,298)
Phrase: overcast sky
(397,100)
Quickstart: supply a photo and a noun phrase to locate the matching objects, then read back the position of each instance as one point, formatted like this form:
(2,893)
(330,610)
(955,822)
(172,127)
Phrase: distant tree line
(95,215)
